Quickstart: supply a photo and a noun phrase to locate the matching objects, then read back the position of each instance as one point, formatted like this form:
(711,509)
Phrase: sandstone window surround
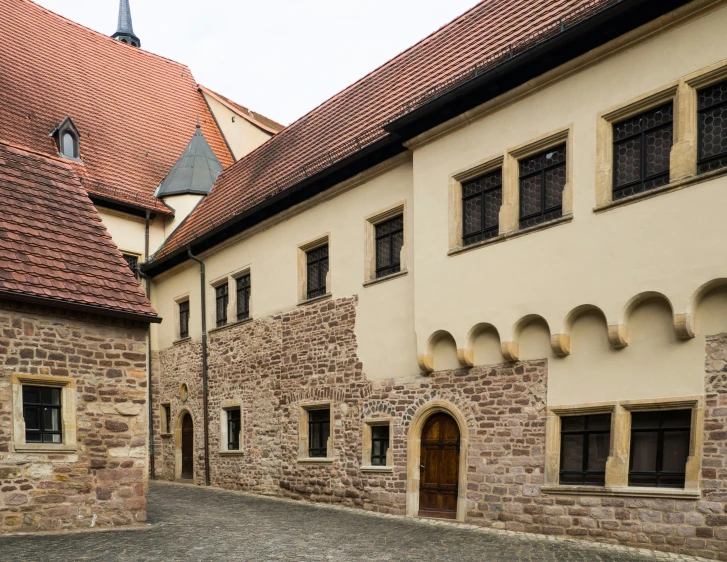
(367,445)
(684,156)
(226,407)
(67,387)
(370,223)
(618,464)
(509,214)
(304,435)
(215,317)
(182,315)
(242,295)
(165,417)
(303,250)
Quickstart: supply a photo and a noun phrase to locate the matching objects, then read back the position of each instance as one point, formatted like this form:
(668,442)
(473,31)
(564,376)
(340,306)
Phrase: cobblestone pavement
(190,523)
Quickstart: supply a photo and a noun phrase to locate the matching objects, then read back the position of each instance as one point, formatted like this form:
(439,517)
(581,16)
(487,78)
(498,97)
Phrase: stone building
(485,282)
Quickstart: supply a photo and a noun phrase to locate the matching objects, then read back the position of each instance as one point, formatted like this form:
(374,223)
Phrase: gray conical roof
(125,31)
(195,171)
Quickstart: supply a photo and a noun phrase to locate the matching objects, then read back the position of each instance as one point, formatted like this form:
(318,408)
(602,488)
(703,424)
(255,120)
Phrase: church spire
(125,32)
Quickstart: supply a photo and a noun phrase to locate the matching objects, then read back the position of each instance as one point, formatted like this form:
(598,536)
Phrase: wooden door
(439,468)
(187,447)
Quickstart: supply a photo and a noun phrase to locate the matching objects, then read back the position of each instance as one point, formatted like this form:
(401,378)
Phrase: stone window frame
(303,457)
(368,424)
(212,300)
(232,312)
(226,406)
(302,253)
(68,413)
(177,326)
(164,430)
(370,223)
(684,153)
(617,466)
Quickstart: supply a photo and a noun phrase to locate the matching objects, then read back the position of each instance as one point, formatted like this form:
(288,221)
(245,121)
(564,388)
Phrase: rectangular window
(133,262)
(234,426)
(659,448)
(316,271)
(542,179)
(184,319)
(584,448)
(642,151)
(319,430)
(42,414)
(221,301)
(167,421)
(481,202)
(243,297)
(379,444)
(712,126)
(389,242)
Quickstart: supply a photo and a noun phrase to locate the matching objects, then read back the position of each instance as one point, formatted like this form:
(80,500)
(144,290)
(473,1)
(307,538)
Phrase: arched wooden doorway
(187,446)
(439,478)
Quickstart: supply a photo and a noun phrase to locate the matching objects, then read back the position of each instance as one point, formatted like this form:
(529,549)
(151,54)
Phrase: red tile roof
(53,245)
(136,111)
(257,119)
(360,110)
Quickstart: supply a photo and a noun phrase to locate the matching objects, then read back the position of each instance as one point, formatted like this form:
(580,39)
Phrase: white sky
(279,57)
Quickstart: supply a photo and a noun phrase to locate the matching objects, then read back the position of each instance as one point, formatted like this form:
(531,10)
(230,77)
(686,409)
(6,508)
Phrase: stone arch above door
(178,436)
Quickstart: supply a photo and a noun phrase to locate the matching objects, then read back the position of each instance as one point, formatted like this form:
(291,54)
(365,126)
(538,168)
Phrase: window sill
(45,448)
(386,469)
(665,493)
(232,453)
(378,280)
(514,234)
(315,460)
(182,340)
(315,299)
(230,325)
(672,186)
(166,434)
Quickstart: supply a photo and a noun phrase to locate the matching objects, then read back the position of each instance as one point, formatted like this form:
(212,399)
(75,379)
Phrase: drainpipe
(204,366)
(152,469)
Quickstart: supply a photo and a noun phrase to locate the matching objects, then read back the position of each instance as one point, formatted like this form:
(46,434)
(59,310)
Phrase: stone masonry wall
(272,365)
(104,483)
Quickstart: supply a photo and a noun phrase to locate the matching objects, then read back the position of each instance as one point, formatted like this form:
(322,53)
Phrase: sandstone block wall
(103,483)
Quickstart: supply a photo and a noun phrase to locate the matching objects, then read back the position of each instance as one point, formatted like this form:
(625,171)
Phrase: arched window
(67,138)
(68,145)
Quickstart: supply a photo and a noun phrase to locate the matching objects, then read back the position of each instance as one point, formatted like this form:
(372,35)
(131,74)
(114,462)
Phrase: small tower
(125,32)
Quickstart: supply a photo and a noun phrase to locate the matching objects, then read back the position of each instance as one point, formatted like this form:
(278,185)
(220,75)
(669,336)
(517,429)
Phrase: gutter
(204,366)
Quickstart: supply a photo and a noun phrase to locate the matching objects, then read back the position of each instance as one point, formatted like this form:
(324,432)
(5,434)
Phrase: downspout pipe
(152,469)
(204,366)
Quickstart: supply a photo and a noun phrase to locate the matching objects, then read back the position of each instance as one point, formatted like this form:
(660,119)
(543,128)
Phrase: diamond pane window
(42,414)
(712,124)
(184,319)
(133,262)
(584,447)
(481,202)
(316,271)
(641,151)
(542,179)
(319,430)
(222,299)
(389,242)
(243,297)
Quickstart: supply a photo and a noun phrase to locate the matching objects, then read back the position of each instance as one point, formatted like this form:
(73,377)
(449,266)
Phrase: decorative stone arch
(426,359)
(178,445)
(511,349)
(466,355)
(618,334)
(561,342)
(413,455)
(685,323)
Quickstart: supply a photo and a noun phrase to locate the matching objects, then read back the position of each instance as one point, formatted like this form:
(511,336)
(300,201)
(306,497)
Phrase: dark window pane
(243,297)
(627,162)
(319,429)
(675,451)
(598,448)
(602,421)
(530,195)
(658,151)
(42,414)
(554,183)
(677,418)
(472,215)
(389,242)
(31,395)
(643,446)
(645,420)
(571,453)
(31,415)
(573,423)
(542,179)
(531,165)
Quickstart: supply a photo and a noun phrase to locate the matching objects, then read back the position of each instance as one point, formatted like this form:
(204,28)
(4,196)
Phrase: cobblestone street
(190,523)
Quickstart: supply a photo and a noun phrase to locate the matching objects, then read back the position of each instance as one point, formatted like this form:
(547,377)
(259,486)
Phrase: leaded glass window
(222,298)
(184,319)
(389,242)
(641,151)
(319,430)
(243,297)
(542,180)
(42,414)
(234,426)
(712,119)
(659,448)
(379,444)
(317,270)
(584,448)
(481,202)
(133,262)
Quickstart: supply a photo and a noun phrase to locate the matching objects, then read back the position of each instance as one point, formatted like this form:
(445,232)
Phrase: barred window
(389,242)
(234,426)
(243,297)
(641,151)
(167,413)
(712,119)
(317,270)
(481,202)
(184,319)
(542,179)
(42,414)
(319,430)
(133,262)
(379,444)
(584,447)
(221,301)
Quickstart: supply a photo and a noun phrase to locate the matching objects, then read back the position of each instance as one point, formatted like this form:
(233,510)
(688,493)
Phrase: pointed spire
(125,31)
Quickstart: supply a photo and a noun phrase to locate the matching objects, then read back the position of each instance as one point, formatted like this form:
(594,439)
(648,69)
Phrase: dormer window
(66,135)
(68,146)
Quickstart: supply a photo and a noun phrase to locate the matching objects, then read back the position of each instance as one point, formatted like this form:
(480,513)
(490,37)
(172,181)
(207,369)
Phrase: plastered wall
(128,231)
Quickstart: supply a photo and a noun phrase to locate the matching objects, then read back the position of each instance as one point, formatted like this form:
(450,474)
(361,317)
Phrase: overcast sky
(279,57)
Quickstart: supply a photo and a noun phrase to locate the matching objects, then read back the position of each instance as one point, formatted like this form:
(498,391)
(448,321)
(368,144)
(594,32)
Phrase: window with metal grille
(42,414)
(167,411)
(234,426)
(133,263)
(317,269)
(659,448)
(584,449)
(184,319)
(319,430)
(481,202)
(542,179)
(222,299)
(379,444)
(712,119)
(243,297)
(389,241)
(641,151)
